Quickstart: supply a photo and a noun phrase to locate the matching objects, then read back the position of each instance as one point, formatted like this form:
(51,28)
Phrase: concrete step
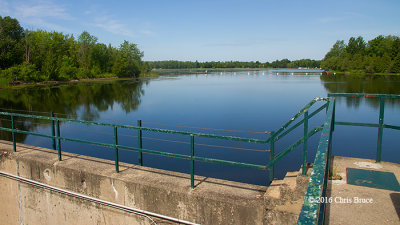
(284,198)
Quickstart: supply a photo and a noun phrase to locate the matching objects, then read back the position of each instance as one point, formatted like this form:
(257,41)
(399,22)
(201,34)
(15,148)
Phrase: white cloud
(38,13)
(4,7)
(114,26)
(107,23)
(41,9)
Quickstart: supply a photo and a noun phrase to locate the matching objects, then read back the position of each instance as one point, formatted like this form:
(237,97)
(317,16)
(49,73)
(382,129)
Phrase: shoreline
(362,73)
(55,82)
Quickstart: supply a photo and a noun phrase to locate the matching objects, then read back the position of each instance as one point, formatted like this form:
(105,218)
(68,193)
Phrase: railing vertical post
(305,137)
(116,149)
(53,130)
(58,140)
(13,133)
(140,144)
(380,130)
(272,156)
(192,161)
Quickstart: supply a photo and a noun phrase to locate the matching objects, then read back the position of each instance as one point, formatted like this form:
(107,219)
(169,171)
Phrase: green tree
(396,64)
(11,34)
(128,60)
(86,43)
(356,45)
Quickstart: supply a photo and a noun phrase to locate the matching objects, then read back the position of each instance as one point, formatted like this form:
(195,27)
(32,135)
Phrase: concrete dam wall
(167,193)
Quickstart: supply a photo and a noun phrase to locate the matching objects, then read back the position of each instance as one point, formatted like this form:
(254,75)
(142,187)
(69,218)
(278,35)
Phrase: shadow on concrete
(396,202)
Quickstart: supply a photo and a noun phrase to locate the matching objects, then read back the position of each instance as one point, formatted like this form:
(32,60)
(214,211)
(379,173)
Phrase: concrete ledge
(213,201)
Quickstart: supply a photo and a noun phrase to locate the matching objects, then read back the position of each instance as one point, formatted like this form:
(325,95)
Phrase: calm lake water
(221,104)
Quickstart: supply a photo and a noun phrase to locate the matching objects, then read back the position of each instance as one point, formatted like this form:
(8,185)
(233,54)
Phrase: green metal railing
(313,210)
(274,137)
(380,125)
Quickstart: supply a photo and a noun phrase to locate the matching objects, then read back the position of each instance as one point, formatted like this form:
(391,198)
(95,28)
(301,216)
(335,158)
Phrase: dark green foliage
(22,72)
(11,51)
(27,56)
(284,63)
(379,55)
(127,61)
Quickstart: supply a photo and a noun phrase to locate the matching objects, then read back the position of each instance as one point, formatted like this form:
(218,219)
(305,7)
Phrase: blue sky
(214,30)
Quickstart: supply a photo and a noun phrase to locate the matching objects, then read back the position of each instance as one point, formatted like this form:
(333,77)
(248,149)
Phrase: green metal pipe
(305,137)
(291,147)
(380,129)
(231,138)
(310,210)
(116,149)
(271,158)
(192,161)
(357,124)
(140,144)
(301,121)
(53,130)
(58,140)
(175,155)
(13,133)
(299,114)
(391,127)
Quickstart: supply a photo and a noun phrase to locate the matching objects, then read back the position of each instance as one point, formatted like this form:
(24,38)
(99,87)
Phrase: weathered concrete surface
(284,198)
(385,206)
(213,201)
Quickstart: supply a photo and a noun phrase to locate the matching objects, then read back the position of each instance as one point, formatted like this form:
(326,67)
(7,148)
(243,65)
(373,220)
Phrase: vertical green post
(191,161)
(305,137)
(272,156)
(140,144)
(13,133)
(116,149)
(58,140)
(53,130)
(380,130)
(334,113)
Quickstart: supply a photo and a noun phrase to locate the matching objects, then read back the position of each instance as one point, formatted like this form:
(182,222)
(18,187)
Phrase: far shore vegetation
(40,56)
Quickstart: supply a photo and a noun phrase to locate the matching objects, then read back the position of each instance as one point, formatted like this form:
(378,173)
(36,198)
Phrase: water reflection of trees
(75,100)
(375,84)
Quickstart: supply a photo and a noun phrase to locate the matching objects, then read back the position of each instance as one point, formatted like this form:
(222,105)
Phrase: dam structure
(48,185)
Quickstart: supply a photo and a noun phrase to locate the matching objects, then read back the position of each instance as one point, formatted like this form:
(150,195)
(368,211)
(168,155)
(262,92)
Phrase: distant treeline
(32,56)
(284,63)
(40,55)
(379,55)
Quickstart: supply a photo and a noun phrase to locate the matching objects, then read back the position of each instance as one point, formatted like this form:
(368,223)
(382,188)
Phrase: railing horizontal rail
(305,108)
(301,122)
(154,152)
(231,138)
(391,127)
(357,124)
(367,125)
(291,147)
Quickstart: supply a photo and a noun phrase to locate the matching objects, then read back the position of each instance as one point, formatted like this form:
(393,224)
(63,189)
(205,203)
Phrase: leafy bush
(67,71)
(24,72)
